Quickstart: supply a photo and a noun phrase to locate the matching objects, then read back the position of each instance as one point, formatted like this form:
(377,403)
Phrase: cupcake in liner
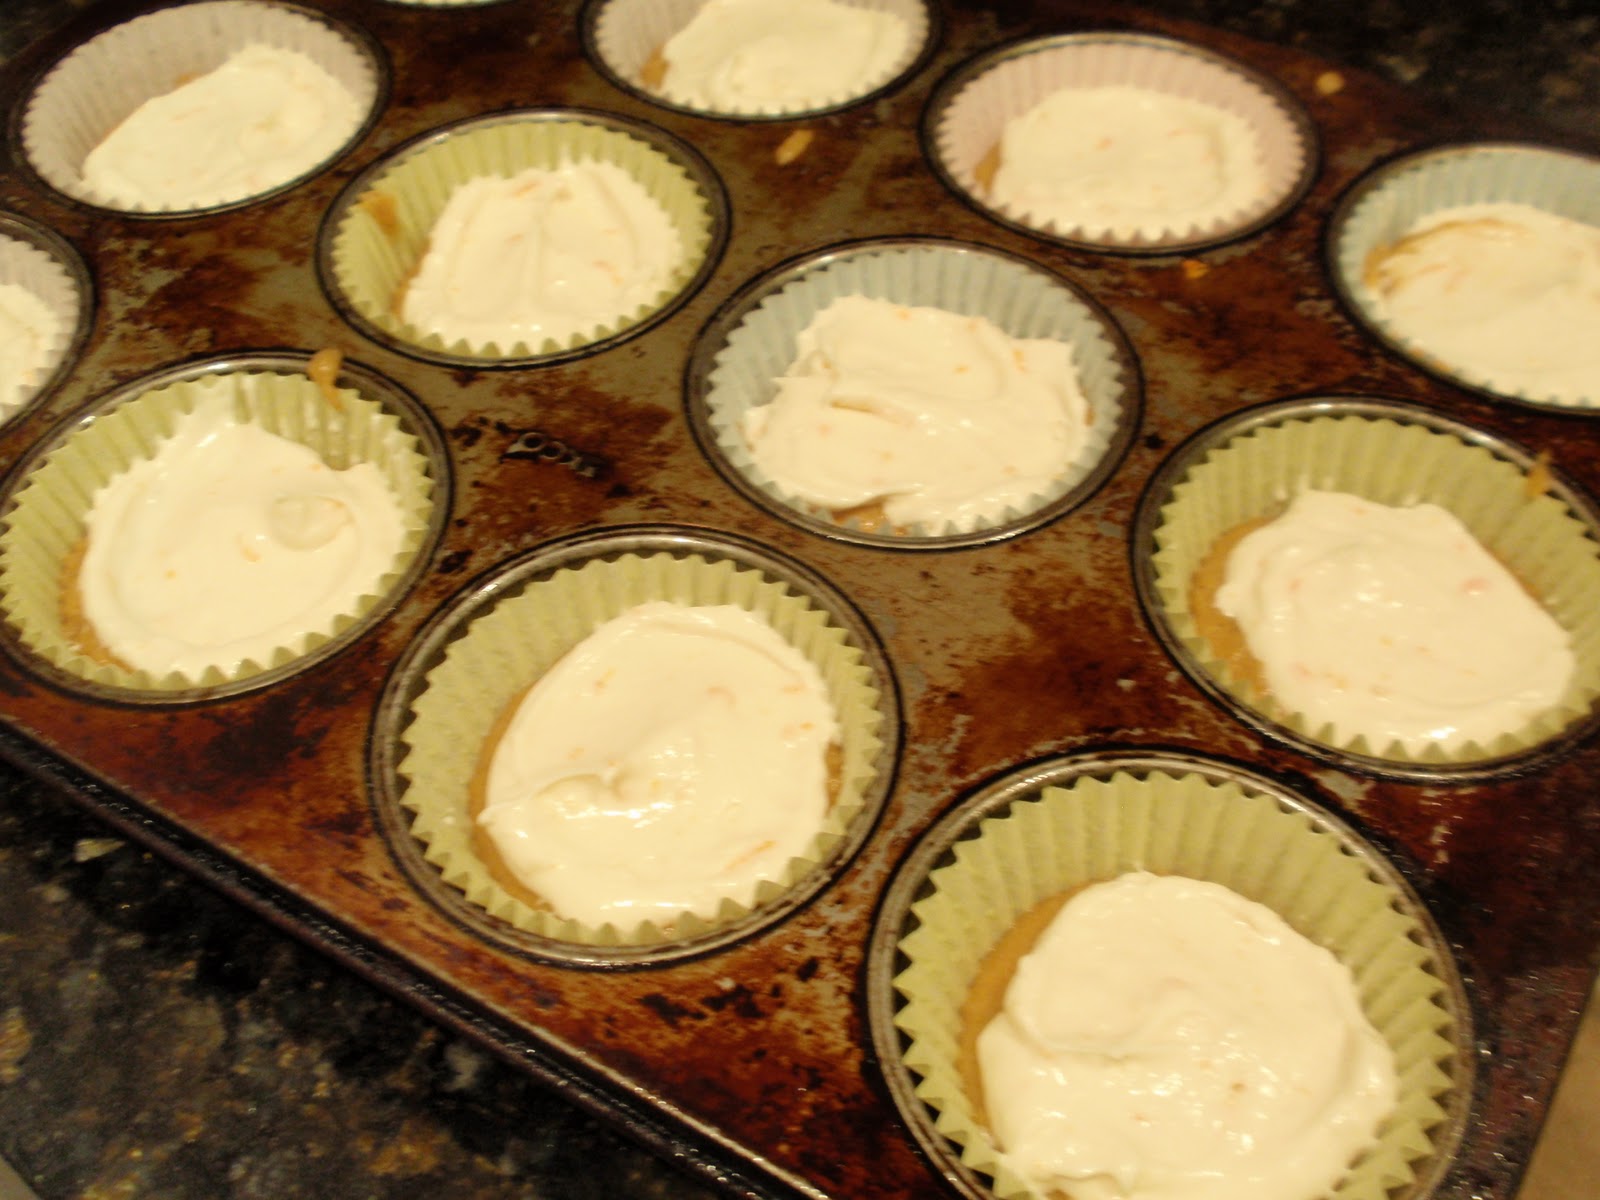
(1386,206)
(1253,464)
(379,230)
(970,110)
(625,38)
(45,513)
(752,342)
(46,300)
(98,85)
(1047,831)
(490,653)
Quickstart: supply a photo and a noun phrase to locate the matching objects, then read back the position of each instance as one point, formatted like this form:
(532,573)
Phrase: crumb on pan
(793,146)
(1193,268)
(323,370)
(1329,82)
(1538,479)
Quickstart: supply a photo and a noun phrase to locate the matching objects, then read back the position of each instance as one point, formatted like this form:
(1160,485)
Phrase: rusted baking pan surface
(753,1058)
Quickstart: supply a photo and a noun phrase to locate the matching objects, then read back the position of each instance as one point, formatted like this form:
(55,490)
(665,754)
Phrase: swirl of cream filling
(544,254)
(1505,292)
(1392,623)
(1167,1038)
(942,417)
(768,55)
(1123,161)
(265,116)
(673,759)
(28,329)
(228,543)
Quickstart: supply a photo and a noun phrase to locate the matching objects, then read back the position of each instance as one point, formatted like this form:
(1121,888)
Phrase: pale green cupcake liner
(1114,819)
(496,656)
(366,261)
(45,517)
(1400,459)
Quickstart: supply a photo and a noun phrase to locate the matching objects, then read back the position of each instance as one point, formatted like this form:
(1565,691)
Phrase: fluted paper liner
(372,260)
(501,653)
(1404,192)
(94,88)
(1174,824)
(1023,302)
(628,33)
(1538,537)
(966,129)
(52,502)
(39,272)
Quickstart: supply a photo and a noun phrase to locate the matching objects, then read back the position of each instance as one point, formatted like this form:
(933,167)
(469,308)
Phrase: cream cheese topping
(28,331)
(544,254)
(1505,292)
(1392,623)
(942,417)
(1167,1038)
(264,117)
(228,543)
(675,758)
(1122,161)
(777,55)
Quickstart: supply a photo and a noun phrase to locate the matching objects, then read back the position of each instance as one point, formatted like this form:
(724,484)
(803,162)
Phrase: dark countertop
(158,1039)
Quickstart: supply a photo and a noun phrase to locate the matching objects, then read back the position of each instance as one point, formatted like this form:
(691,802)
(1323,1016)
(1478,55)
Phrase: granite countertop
(157,1039)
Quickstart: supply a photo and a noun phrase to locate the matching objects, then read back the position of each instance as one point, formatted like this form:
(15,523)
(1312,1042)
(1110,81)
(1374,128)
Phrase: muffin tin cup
(968,112)
(48,496)
(378,230)
(506,630)
(47,267)
(95,87)
(1384,205)
(1048,828)
(1248,465)
(750,342)
(622,37)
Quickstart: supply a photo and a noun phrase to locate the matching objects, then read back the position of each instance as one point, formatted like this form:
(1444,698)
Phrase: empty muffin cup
(492,242)
(281,93)
(1122,142)
(752,343)
(1480,263)
(1050,829)
(1250,466)
(449,701)
(49,558)
(46,306)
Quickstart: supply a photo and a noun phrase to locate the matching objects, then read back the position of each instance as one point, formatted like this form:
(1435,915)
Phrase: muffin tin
(759,1058)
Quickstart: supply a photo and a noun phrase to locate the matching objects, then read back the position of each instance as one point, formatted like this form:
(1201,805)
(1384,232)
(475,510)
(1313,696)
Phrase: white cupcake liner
(50,270)
(739,370)
(1383,207)
(95,87)
(624,34)
(970,109)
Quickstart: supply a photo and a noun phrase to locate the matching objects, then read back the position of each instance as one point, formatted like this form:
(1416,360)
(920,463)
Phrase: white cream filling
(1392,623)
(672,760)
(544,254)
(1167,1039)
(772,55)
(1121,161)
(262,118)
(28,331)
(228,543)
(1504,292)
(942,417)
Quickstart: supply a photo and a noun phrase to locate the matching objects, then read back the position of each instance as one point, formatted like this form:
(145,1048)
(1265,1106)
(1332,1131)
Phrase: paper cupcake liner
(970,110)
(496,655)
(624,35)
(1396,456)
(739,361)
(50,270)
(378,230)
(1289,857)
(44,520)
(1383,206)
(95,87)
